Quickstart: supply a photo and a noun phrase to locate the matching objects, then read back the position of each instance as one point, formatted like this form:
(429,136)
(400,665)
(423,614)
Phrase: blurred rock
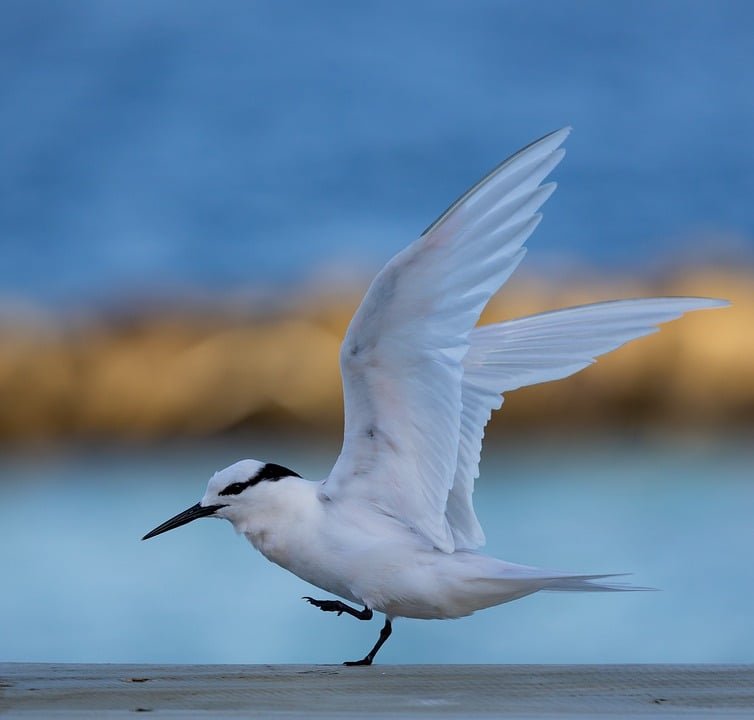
(199,373)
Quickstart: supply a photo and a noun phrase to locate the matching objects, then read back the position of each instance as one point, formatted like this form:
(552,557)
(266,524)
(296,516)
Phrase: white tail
(582,585)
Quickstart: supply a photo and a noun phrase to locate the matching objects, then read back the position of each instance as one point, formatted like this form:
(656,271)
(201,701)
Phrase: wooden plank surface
(380,691)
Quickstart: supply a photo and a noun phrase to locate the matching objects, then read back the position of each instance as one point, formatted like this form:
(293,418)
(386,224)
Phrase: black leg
(387,628)
(340,608)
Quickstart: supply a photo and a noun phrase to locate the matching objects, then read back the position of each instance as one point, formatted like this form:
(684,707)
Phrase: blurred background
(193,198)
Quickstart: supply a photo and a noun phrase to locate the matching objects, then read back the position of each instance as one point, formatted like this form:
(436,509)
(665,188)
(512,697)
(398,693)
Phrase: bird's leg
(387,628)
(340,608)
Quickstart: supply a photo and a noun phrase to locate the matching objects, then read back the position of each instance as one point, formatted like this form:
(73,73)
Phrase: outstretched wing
(535,349)
(402,359)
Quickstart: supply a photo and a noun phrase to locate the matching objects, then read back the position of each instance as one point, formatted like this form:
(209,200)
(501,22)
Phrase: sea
(80,586)
(157,150)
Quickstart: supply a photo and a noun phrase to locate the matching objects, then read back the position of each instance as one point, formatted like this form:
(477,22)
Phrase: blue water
(78,585)
(153,149)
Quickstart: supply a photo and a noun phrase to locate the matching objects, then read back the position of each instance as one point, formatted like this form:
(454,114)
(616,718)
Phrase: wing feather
(402,359)
(535,349)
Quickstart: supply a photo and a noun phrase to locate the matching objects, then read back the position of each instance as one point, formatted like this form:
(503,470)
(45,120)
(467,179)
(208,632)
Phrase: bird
(392,528)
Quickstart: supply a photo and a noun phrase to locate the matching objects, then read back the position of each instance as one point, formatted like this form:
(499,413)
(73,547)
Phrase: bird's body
(371,558)
(393,527)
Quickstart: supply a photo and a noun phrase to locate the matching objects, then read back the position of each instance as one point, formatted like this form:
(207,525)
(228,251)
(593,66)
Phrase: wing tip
(549,143)
(544,148)
(693,303)
(563,132)
(711,303)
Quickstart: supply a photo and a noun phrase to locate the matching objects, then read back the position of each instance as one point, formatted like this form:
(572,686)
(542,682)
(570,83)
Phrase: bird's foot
(328,605)
(339,607)
(364,661)
(384,635)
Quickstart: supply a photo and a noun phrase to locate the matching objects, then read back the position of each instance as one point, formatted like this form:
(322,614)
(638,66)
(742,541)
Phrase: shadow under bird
(392,527)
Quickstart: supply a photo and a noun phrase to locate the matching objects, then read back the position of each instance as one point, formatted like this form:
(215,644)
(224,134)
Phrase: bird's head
(231,493)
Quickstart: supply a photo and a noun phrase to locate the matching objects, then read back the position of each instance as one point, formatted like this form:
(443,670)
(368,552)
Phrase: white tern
(392,527)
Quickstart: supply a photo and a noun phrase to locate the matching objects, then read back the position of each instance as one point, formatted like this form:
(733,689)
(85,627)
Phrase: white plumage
(393,526)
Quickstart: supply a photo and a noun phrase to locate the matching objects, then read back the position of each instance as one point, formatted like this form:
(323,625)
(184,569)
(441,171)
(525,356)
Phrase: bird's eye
(234,489)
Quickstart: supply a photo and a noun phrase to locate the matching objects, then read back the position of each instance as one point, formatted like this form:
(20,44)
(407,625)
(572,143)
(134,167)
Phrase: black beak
(194,512)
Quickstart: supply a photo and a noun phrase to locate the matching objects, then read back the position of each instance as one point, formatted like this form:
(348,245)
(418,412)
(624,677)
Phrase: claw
(326,605)
(339,607)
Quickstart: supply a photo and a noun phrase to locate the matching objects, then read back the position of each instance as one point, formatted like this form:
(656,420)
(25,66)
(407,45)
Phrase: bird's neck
(283,520)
